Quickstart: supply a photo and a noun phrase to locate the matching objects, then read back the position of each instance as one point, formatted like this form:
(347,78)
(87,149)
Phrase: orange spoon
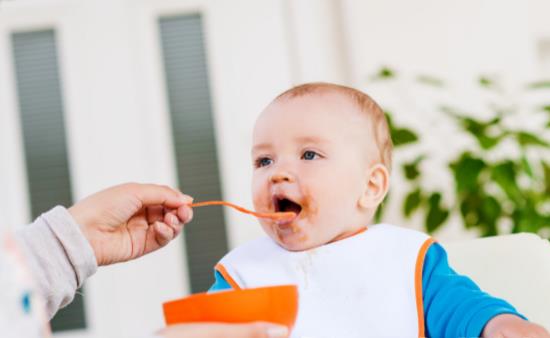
(277,216)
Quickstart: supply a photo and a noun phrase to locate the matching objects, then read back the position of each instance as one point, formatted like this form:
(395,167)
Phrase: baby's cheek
(257,200)
(257,193)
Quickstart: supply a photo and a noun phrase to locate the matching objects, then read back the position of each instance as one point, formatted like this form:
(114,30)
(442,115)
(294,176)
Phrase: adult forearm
(58,255)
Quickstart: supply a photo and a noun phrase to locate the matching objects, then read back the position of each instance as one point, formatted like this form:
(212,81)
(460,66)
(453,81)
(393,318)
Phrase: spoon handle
(270,215)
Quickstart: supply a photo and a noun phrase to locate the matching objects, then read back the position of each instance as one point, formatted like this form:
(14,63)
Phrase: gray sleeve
(59,256)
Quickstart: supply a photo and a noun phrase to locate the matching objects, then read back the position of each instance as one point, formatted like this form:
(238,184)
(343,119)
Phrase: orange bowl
(275,304)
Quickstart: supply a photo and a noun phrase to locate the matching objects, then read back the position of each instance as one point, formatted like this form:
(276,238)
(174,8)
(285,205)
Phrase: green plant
(502,178)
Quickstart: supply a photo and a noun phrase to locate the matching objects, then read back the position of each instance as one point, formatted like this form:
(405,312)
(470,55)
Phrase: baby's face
(311,155)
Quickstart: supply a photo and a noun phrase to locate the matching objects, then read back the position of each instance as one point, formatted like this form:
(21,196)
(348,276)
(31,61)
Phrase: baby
(323,151)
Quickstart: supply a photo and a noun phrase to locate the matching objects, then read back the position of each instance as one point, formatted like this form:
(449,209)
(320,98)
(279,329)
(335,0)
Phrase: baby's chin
(293,236)
(296,242)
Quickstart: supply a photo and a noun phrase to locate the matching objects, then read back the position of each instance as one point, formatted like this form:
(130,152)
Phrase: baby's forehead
(326,115)
(331,103)
(326,96)
(346,110)
(333,107)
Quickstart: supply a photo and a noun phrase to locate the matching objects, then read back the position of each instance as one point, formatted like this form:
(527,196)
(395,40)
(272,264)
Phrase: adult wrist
(76,245)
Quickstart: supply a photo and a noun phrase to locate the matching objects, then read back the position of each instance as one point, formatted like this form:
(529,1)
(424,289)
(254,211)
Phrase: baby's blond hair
(380,129)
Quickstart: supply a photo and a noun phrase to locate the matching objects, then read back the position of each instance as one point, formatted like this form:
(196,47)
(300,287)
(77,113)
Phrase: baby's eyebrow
(260,146)
(298,140)
(311,139)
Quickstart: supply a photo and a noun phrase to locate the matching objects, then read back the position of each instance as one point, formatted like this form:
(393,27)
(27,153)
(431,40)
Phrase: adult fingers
(153,194)
(185,213)
(163,233)
(154,213)
(218,330)
(173,221)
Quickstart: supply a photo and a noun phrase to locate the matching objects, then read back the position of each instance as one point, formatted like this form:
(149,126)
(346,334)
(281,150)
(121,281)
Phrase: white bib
(367,285)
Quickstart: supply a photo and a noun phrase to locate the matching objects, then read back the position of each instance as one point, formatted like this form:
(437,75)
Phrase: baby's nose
(282,176)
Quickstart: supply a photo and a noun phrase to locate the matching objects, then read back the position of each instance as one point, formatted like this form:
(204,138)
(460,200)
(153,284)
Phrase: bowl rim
(222,293)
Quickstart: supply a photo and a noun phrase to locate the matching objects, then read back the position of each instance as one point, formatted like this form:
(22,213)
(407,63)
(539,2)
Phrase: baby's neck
(349,234)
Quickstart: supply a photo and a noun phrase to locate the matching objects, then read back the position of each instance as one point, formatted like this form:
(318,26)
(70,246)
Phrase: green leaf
(437,215)
(527,139)
(546,169)
(430,81)
(467,170)
(491,208)
(546,108)
(384,73)
(473,126)
(489,215)
(402,136)
(539,85)
(451,111)
(411,170)
(482,211)
(526,166)
(479,130)
(504,174)
(488,142)
(530,220)
(412,202)
(469,208)
(485,82)
(389,118)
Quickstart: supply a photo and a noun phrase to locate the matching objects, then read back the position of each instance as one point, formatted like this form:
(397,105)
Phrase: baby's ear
(376,188)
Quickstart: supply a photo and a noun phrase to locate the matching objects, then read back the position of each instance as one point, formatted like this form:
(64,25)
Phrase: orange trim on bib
(221,269)
(418,285)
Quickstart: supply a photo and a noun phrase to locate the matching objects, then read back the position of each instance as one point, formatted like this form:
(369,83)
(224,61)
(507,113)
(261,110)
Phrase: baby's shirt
(453,305)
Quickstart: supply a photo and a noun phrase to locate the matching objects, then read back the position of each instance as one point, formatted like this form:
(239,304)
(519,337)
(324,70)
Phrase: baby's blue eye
(309,155)
(263,161)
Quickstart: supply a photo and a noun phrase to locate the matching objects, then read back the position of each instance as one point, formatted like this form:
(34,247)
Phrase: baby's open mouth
(283,204)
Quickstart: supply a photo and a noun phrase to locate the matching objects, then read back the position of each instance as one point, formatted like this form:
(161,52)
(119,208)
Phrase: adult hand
(218,330)
(130,220)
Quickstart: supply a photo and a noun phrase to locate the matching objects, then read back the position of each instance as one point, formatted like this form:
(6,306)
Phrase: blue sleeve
(220,283)
(454,306)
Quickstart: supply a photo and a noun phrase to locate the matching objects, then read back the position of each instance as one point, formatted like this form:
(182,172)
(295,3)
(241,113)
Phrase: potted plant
(501,177)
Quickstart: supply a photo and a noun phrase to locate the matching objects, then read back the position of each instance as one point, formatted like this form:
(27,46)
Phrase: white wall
(449,37)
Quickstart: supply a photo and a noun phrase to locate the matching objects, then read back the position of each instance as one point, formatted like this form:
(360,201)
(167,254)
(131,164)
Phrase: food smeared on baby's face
(301,207)
(310,156)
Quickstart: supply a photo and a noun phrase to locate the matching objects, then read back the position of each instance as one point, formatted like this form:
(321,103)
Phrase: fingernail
(187,199)
(174,220)
(277,332)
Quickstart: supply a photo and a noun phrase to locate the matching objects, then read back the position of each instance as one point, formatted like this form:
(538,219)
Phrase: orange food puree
(278,216)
